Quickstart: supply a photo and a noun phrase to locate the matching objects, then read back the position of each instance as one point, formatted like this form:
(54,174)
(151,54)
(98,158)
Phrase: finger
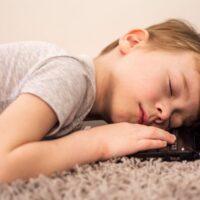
(146,144)
(159,134)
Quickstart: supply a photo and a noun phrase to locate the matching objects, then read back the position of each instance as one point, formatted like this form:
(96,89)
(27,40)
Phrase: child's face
(142,77)
(129,76)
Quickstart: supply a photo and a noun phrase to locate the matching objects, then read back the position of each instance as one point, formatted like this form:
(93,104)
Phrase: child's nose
(164,119)
(164,112)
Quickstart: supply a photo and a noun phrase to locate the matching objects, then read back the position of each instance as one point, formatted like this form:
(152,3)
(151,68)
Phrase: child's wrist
(96,142)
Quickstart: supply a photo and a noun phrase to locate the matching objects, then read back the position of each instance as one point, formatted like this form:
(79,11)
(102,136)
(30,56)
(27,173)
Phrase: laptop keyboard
(178,146)
(181,144)
(174,147)
(183,147)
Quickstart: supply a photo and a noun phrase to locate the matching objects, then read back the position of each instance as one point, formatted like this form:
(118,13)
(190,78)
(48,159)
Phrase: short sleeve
(61,83)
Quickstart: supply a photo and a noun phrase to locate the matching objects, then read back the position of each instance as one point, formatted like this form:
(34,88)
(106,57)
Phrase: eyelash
(170,88)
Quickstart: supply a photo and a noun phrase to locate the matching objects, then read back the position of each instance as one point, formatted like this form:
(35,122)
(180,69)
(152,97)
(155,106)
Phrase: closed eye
(169,121)
(170,88)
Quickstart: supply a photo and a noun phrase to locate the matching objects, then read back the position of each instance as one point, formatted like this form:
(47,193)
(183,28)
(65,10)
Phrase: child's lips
(140,121)
(142,117)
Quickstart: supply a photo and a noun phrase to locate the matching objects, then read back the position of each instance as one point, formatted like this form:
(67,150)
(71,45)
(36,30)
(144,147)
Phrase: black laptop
(186,146)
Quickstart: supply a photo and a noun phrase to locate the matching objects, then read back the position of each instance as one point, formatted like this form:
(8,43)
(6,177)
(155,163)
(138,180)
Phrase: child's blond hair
(171,35)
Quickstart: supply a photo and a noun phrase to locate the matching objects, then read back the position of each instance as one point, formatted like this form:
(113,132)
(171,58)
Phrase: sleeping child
(143,85)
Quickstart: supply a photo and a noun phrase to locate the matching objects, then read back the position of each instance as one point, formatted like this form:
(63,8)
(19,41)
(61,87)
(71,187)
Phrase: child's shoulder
(28,46)
(28,43)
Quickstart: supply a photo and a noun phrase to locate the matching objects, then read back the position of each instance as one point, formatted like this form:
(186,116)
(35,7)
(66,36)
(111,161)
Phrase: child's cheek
(151,94)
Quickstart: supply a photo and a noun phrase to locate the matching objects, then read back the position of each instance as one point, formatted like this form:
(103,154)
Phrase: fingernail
(174,138)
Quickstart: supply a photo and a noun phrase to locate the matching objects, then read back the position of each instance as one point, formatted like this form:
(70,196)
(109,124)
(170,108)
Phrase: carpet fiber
(117,178)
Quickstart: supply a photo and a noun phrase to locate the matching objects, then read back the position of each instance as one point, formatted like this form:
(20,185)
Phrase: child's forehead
(197,62)
(182,60)
(166,57)
(163,61)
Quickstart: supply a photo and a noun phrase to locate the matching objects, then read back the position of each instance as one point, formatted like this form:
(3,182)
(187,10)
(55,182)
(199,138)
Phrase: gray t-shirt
(64,81)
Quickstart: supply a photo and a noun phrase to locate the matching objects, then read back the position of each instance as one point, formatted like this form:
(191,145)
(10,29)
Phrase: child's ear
(131,39)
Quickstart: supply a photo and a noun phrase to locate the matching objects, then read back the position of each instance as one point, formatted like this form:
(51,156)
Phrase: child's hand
(124,138)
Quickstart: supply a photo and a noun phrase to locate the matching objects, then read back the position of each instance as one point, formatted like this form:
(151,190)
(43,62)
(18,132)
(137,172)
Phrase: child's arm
(22,153)
(29,160)
(84,146)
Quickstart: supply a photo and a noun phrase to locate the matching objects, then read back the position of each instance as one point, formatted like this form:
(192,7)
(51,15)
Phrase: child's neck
(103,83)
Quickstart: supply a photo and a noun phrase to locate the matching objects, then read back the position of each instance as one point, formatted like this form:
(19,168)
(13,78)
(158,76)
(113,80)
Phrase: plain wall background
(86,26)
